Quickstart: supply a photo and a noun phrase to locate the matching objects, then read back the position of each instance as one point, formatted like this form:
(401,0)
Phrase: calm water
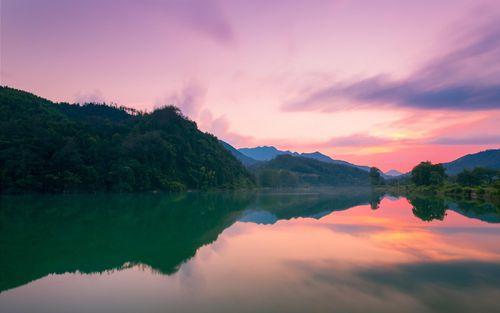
(328,251)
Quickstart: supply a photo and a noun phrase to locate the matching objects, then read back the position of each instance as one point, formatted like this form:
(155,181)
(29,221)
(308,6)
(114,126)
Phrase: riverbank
(453,191)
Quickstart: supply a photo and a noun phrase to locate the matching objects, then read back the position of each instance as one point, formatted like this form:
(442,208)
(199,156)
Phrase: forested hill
(485,159)
(291,171)
(49,147)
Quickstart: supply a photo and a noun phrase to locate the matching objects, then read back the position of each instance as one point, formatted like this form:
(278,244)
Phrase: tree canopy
(49,147)
(427,174)
(375,176)
(477,176)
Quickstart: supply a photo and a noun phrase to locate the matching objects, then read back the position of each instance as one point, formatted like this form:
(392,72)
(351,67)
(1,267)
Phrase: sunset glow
(387,84)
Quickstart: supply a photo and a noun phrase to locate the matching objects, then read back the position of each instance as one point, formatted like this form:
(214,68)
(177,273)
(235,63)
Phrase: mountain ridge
(267,153)
(488,158)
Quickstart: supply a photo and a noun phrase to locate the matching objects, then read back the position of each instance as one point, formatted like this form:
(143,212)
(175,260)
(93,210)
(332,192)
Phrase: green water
(296,251)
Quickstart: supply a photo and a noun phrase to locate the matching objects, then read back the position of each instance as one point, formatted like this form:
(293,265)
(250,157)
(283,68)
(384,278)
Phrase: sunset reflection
(352,259)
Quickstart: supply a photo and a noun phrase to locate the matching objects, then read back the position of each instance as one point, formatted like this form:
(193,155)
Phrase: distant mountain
(393,173)
(487,159)
(324,158)
(319,156)
(246,160)
(266,153)
(292,171)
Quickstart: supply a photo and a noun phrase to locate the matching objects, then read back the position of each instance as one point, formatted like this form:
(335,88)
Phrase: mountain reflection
(42,235)
(269,208)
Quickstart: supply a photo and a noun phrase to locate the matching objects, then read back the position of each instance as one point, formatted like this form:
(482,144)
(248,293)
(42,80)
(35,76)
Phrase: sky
(387,83)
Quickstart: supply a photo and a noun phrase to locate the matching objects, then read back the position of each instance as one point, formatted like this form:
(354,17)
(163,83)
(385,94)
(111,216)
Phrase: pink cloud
(220,127)
(466,78)
(190,99)
(205,17)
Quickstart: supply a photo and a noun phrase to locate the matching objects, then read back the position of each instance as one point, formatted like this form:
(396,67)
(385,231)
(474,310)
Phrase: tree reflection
(428,209)
(43,235)
(375,200)
(40,235)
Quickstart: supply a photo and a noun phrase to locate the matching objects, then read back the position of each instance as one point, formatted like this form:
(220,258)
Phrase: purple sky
(385,83)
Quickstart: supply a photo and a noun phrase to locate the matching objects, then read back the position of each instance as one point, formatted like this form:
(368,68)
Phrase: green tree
(375,177)
(477,176)
(49,147)
(288,179)
(466,178)
(427,174)
(268,178)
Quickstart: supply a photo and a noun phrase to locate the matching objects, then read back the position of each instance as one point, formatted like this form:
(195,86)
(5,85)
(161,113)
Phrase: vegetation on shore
(59,148)
(431,179)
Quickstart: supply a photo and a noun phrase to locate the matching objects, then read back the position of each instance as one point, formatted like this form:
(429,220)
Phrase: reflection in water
(91,234)
(343,250)
(434,208)
(428,209)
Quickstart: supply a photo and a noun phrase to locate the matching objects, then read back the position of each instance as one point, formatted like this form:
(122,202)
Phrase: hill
(290,171)
(487,159)
(49,147)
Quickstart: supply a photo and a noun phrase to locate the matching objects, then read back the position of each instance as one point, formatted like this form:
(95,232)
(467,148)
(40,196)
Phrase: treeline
(426,176)
(49,147)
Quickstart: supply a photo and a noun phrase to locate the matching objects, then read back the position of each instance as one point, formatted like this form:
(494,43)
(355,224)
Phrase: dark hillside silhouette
(49,147)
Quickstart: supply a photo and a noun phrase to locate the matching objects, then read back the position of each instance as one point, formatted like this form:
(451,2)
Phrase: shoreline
(488,194)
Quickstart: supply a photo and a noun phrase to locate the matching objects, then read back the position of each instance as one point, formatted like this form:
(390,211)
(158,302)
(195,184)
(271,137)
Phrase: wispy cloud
(472,140)
(220,127)
(357,140)
(467,77)
(203,16)
(190,99)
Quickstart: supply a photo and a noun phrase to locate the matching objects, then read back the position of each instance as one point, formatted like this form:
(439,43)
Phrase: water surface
(295,251)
